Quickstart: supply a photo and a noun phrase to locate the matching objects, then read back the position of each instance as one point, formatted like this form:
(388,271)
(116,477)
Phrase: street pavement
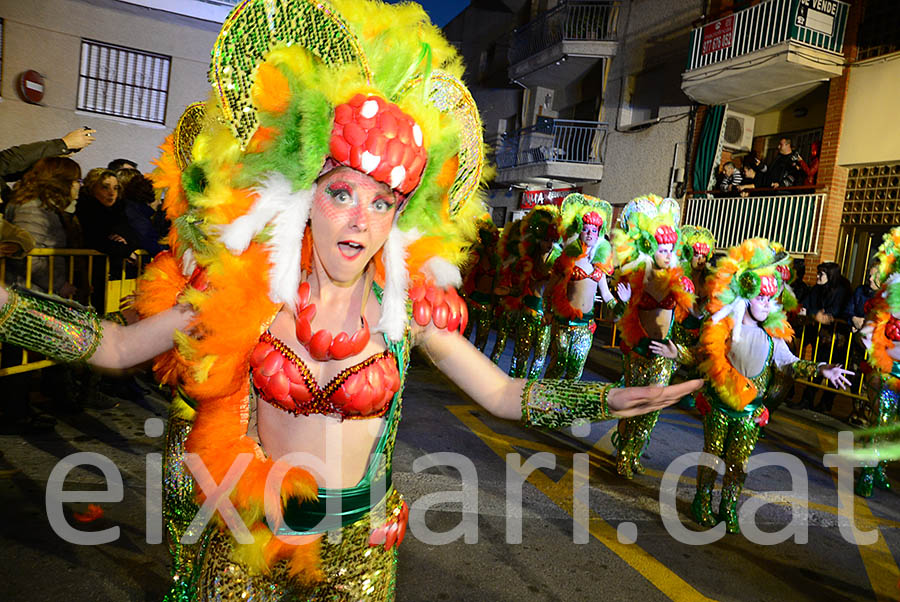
(616,549)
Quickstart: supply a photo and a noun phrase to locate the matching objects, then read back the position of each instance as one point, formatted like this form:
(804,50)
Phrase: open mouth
(350,249)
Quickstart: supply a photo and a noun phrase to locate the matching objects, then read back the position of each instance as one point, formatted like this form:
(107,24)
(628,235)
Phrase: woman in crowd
(349,184)
(582,270)
(659,297)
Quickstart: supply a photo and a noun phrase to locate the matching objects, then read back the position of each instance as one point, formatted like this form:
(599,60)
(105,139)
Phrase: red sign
(718,35)
(530,198)
(31,86)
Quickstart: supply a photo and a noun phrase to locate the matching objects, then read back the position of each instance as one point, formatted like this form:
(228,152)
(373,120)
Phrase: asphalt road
(616,549)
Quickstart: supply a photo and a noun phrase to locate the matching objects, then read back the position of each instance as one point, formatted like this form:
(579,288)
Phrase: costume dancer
(697,244)
(582,268)
(882,331)
(658,297)
(539,232)
(342,178)
(478,283)
(742,343)
(507,300)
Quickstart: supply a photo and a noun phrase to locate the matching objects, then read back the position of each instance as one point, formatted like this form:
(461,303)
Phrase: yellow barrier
(108,300)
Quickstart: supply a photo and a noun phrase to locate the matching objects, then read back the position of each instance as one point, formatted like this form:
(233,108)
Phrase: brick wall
(832,176)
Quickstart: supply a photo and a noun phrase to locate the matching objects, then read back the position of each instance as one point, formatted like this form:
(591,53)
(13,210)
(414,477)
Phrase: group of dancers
(536,282)
(322,202)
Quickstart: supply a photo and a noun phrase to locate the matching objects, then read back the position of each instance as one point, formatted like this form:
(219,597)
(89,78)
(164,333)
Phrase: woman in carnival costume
(337,168)
(478,283)
(882,332)
(507,300)
(539,232)
(697,246)
(742,343)
(658,298)
(582,268)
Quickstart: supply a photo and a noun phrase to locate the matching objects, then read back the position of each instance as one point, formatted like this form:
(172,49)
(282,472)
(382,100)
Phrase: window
(879,33)
(123,82)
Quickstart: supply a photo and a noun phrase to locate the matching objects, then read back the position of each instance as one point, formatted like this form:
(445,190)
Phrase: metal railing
(562,140)
(792,220)
(766,24)
(81,268)
(587,21)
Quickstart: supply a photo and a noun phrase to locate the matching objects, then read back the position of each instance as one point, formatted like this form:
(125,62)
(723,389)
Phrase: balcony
(763,57)
(206,10)
(561,150)
(791,219)
(562,44)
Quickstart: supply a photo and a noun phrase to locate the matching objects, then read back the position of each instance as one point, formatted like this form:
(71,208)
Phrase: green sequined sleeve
(804,369)
(52,326)
(553,404)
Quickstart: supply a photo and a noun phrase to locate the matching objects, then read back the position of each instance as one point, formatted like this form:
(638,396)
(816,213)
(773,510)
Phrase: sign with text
(531,198)
(817,15)
(718,35)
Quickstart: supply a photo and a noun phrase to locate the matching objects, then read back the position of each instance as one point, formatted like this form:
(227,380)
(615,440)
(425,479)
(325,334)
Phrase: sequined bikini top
(360,391)
(649,302)
(579,274)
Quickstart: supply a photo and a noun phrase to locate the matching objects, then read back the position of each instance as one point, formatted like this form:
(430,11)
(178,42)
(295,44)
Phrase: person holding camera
(788,168)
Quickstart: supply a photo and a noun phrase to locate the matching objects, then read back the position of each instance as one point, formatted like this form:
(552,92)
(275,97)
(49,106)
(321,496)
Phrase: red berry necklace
(322,346)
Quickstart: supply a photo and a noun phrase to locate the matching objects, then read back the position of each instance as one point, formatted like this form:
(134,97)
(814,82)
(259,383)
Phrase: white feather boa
(394,317)
(287,213)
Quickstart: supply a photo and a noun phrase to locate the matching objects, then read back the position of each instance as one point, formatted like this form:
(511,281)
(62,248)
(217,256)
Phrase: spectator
(798,284)
(124,175)
(748,180)
(142,211)
(812,170)
(106,228)
(14,241)
(117,164)
(787,169)
(855,314)
(730,178)
(19,159)
(38,206)
(821,305)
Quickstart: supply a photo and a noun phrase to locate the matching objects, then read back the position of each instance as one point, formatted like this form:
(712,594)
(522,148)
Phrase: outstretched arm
(71,333)
(502,396)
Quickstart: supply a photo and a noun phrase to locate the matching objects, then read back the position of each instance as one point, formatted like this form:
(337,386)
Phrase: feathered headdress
(883,315)
(746,271)
(695,240)
(644,224)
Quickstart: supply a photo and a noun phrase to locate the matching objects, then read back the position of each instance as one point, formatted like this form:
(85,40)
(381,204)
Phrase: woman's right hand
(117,238)
(634,401)
(623,289)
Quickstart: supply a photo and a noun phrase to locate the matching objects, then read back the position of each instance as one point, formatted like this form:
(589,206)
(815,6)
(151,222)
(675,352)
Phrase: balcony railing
(792,220)
(766,24)
(561,140)
(582,21)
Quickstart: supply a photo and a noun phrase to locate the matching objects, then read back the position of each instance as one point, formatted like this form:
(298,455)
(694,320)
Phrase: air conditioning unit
(738,134)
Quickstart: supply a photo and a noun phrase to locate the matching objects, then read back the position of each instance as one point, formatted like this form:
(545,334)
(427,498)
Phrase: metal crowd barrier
(81,266)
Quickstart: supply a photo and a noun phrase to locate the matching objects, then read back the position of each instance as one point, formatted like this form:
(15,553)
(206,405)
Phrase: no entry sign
(31,86)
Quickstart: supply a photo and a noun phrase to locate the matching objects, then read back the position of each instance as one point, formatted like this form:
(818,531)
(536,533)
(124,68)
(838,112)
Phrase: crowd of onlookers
(54,204)
(787,170)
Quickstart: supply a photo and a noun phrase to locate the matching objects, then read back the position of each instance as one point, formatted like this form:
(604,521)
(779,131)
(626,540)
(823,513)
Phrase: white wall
(654,34)
(45,35)
(869,131)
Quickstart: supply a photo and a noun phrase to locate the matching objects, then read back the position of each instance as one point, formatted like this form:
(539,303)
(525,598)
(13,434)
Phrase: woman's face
(106,191)
(873,278)
(698,261)
(350,220)
(663,255)
(76,188)
(760,306)
(589,234)
(821,278)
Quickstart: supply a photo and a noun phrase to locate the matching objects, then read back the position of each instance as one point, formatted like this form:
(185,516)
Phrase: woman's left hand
(836,375)
(634,401)
(665,348)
